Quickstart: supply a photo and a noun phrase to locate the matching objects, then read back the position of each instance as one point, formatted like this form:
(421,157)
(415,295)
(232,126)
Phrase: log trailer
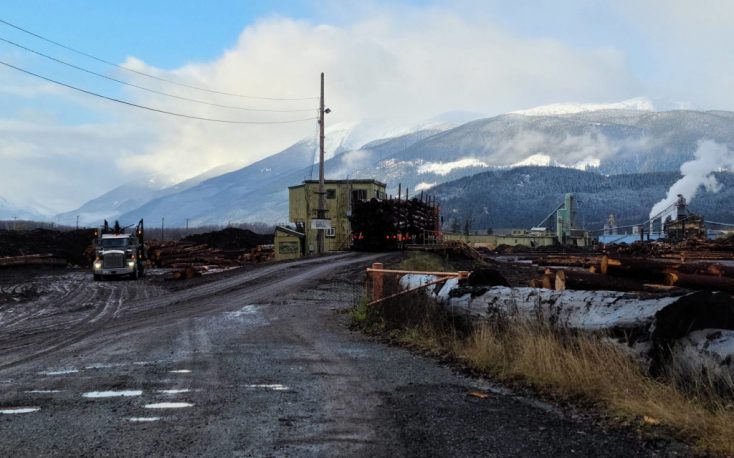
(118,253)
(391,224)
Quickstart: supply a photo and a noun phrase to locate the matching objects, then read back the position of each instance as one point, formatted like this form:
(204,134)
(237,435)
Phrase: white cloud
(382,67)
(399,65)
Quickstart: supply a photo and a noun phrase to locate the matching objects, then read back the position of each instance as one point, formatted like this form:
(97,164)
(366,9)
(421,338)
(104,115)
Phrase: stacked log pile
(379,224)
(188,259)
(632,273)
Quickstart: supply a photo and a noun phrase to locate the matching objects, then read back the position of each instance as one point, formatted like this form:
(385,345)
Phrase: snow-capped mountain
(131,195)
(23,211)
(606,141)
(637,103)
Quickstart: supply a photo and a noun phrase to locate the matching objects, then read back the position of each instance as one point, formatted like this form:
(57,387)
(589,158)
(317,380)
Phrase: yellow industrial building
(303,201)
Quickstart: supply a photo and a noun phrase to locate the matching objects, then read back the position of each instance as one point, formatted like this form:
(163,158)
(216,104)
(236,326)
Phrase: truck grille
(113,260)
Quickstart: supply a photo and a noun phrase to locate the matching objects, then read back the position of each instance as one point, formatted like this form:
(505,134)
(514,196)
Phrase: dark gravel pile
(69,245)
(231,238)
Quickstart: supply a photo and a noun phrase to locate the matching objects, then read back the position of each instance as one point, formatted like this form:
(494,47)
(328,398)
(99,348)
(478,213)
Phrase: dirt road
(254,362)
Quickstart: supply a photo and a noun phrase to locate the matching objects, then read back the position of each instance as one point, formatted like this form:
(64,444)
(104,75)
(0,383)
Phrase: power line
(148,89)
(112,99)
(69,48)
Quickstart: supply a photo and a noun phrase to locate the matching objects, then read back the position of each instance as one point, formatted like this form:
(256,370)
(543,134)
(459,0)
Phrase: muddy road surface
(251,362)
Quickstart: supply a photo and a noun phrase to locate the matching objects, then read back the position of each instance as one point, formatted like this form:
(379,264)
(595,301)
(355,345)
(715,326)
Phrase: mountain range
(605,142)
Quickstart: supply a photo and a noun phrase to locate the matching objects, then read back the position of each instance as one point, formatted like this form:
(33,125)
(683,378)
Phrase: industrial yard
(222,365)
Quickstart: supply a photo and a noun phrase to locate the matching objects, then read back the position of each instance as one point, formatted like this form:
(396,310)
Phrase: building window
(331,193)
(331,232)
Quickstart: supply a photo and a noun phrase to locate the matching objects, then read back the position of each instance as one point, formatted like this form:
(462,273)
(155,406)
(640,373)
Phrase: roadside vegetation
(567,366)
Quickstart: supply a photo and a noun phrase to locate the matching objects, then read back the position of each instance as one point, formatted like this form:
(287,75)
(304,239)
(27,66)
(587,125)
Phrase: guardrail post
(376,281)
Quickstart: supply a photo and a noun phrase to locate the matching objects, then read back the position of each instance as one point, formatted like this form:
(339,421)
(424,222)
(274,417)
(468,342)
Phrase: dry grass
(426,262)
(582,367)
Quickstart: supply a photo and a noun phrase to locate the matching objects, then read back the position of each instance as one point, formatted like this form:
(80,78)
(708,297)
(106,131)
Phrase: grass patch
(426,262)
(576,367)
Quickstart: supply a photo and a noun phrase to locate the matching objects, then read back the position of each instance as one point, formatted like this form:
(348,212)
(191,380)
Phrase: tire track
(117,315)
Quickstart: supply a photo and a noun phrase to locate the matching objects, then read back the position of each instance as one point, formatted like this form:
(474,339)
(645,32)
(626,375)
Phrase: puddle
(112,394)
(43,391)
(273,386)
(180,371)
(60,372)
(143,419)
(17,410)
(183,390)
(168,405)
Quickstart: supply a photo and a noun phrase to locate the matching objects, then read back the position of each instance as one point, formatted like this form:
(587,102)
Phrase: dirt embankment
(75,246)
(69,245)
(231,238)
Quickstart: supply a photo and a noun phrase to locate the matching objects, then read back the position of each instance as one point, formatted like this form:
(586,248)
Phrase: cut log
(575,279)
(695,281)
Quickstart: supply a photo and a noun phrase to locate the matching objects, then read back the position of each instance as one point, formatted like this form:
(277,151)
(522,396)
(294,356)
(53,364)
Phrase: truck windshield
(114,243)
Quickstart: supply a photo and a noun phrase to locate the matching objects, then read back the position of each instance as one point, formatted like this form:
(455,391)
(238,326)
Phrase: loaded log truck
(118,253)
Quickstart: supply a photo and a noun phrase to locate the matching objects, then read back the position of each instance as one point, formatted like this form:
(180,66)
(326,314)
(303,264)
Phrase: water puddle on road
(112,394)
(42,391)
(168,405)
(272,386)
(18,410)
(183,390)
(143,419)
(60,372)
(180,371)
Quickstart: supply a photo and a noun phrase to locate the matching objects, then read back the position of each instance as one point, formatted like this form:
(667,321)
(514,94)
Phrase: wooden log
(580,280)
(695,281)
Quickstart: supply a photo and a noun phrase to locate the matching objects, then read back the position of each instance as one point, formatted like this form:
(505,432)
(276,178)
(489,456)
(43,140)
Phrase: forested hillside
(522,197)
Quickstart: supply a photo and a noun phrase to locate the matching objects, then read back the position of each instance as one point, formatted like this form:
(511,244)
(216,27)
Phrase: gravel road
(252,362)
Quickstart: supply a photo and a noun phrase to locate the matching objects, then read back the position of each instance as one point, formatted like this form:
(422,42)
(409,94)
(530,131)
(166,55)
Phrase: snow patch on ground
(272,386)
(112,394)
(444,168)
(538,159)
(18,410)
(60,372)
(422,186)
(168,405)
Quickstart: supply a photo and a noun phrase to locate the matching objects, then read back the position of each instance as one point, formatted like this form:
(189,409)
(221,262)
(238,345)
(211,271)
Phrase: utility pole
(187,226)
(77,222)
(162,219)
(321,211)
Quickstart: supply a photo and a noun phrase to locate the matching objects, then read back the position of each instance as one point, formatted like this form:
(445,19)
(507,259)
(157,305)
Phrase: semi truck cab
(119,254)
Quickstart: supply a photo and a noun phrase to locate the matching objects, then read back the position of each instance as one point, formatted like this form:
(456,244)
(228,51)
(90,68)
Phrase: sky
(397,64)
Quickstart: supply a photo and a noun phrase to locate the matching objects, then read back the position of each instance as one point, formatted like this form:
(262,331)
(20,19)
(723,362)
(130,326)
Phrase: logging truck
(118,253)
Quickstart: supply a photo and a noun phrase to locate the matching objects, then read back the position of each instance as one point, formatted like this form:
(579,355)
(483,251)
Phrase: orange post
(376,281)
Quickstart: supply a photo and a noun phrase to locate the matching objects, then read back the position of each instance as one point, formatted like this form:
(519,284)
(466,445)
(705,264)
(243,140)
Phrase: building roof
(289,231)
(355,181)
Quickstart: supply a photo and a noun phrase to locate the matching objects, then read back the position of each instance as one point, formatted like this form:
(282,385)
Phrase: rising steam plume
(710,157)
